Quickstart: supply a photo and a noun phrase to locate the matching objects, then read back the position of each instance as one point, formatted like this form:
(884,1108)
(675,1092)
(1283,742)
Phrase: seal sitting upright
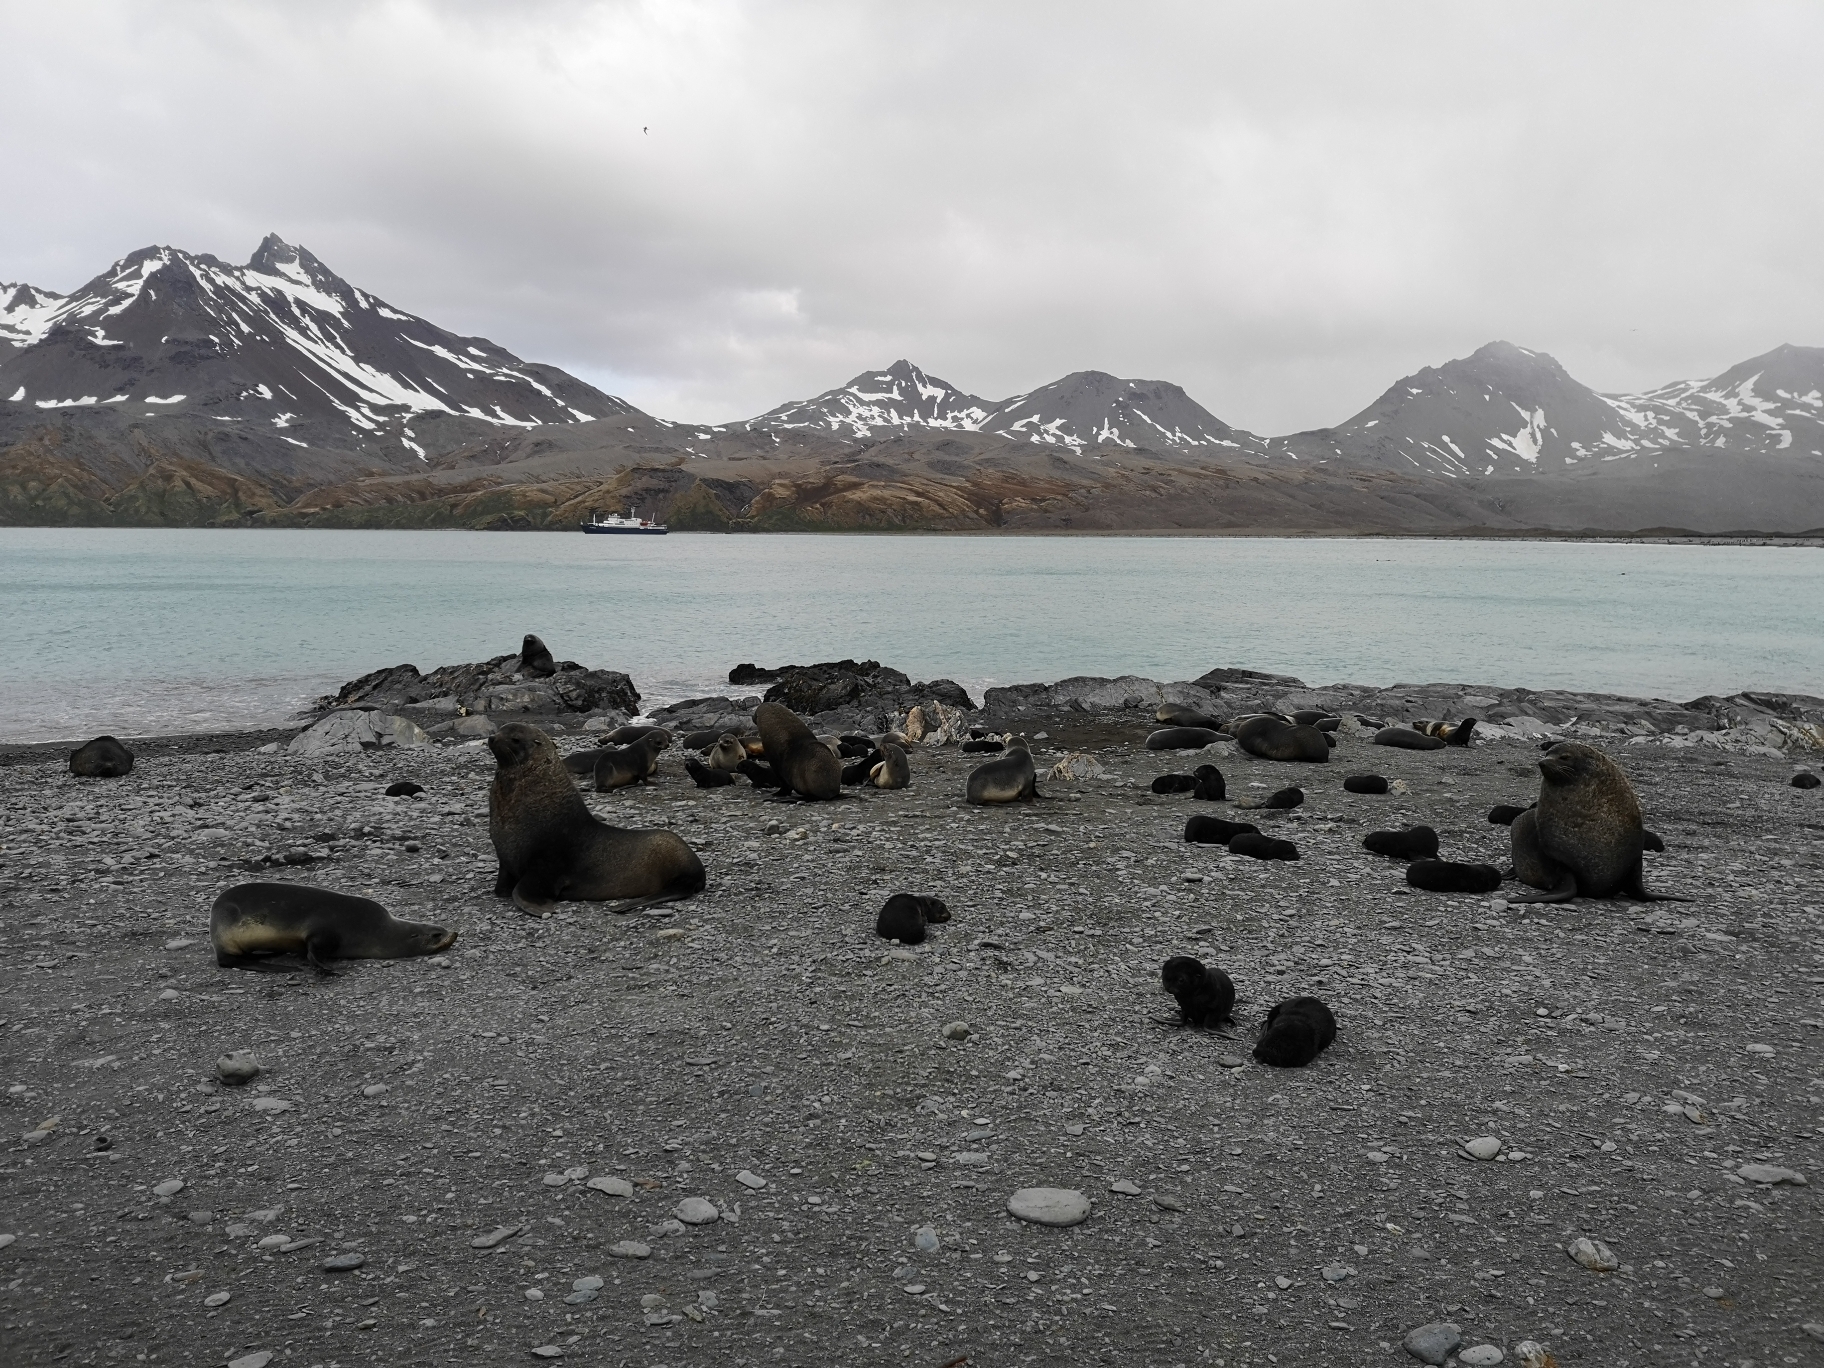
(1585,836)
(1010,778)
(102,758)
(552,847)
(257,919)
(804,764)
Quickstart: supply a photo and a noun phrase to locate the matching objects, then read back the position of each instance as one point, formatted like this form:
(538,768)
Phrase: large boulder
(356,729)
(528,682)
(1095,693)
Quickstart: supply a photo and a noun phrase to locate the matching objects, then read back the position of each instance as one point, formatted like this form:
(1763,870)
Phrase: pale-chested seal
(905,917)
(1010,778)
(892,770)
(1447,876)
(1206,996)
(254,920)
(1365,783)
(631,764)
(552,848)
(1260,847)
(1414,843)
(102,758)
(535,657)
(805,765)
(1297,1032)
(1405,738)
(1184,738)
(1450,733)
(1281,801)
(1184,715)
(727,753)
(1584,837)
(1272,738)
(1215,830)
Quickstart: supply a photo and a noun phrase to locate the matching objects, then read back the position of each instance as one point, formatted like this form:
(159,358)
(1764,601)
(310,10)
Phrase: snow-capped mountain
(23,309)
(1505,410)
(1084,409)
(282,343)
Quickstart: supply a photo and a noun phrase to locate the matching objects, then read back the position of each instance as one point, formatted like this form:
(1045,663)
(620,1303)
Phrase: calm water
(139,632)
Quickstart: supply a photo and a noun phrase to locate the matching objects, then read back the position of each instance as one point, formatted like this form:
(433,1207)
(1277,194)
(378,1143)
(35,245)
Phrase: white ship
(614,522)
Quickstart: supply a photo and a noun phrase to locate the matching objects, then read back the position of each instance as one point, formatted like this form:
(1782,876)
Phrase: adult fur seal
(1447,876)
(1184,715)
(1365,783)
(892,770)
(987,745)
(1184,738)
(1584,838)
(1273,738)
(905,917)
(1206,996)
(1210,787)
(551,847)
(535,657)
(1297,1032)
(253,920)
(1258,847)
(727,753)
(1009,778)
(805,765)
(1405,738)
(1450,733)
(1174,783)
(1414,843)
(705,777)
(1317,717)
(632,764)
(1215,830)
(102,758)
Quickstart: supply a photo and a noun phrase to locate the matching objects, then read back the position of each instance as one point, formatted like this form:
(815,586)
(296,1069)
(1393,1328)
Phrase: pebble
(613,1186)
(541,1351)
(1481,1356)
(1760,1049)
(1074,1128)
(535,1294)
(1593,1255)
(1049,1206)
(971,1159)
(667,1227)
(1714,1293)
(200,1217)
(1165,1203)
(170,995)
(496,1236)
(272,1104)
(1815,1329)
(555,1180)
(237,1067)
(1229,1061)
(217,1299)
(343,1263)
(1124,1187)
(956,1030)
(1770,1173)
(926,1240)
(696,1211)
(179,943)
(258,1359)
(1434,1343)
(629,1249)
(169,1188)
(1483,1147)
(1335,1273)
(375,1090)
(750,1180)
(582,1296)
(588,1284)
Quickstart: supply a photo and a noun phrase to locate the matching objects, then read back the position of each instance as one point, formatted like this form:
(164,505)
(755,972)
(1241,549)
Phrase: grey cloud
(1281,209)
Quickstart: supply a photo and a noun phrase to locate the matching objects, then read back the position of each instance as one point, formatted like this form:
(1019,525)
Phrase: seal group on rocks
(1297,1032)
(251,921)
(1584,836)
(1007,779)
(552,848)
(906,915)
(1447,876)
(1183,715)
(803,764)
(1414,843)
(103,758)
(1206,996)
(1274,738)
(1450,733)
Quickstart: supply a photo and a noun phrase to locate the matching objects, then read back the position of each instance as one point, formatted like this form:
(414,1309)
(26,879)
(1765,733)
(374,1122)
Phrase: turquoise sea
(146,631)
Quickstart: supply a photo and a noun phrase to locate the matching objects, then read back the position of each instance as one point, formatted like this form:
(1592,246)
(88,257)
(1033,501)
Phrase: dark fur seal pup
(1008,779)
(405,788)
(1805,779)
(1650,840)
(858,772)
(853,747)
(1284,800)
(1210,786)
(1258,847)
(1184,738)
(991,745)
(1184,715)
(1174,783)
(1365,783)
(905,917)
(1271,738)
(1405,738)
(892,770)
(1317,717)
(1297,1032)
(1447,876)
(759,774)
(1206,996)
(1584,838)
(1450,733)
(552,848)
(102,758)
(626,736)
(1503,814)
(1214,830)
(535,657)
(805,765)
(1414,843)
(634,764)
(254,920)
(705,777)
(726,754)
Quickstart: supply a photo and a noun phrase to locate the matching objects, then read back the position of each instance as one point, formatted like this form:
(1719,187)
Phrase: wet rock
(1434,1343)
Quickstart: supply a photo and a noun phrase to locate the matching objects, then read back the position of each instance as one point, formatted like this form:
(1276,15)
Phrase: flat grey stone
(1124,1187)
(1435,1342)
(696,1211)
(1481,1356)
(926,1240)
(588,1284)
(1483,1147)
(1593,1255)
(343,1263)
(629,1249)
(750,1180)
(496,1236)
(1049,1206)
(1770,1173)
(169,1188)
(610,1184)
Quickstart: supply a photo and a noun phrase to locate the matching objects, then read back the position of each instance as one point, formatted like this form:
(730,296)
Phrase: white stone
(696,1211)
(169,1188)
(1483,1147)
(1593,1255)
(956,1030)
(610,1184)
(217,1299)
(1770,1173)
(1481,1356)
(750,1180)
(258,1359)
(1125,1187)
(1049,1206)
(629,1249)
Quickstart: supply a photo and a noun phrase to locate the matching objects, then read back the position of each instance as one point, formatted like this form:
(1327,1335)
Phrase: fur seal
(727,753)
(892,770)
(1805,779)
(1297,1032)
(626,736)
(1174,783)
(258,919)
(1450,733)
(701,740)
(705,777)
(1414,843)
(1503,814)
(1365,783)
(551,847)
(1206,996)
(1258,847)
(805,765)
(1650,840)
(853,747)
(1282,801)
(905,916)
(1008,779)
(1272,738)
(582,763)
(1317,717)
(102,758)
(1447,876)
(858,772)
(405,788)
(1183,715)
(1584,837)
(632,764)
(1184,738)
(1215,830)
(535,657)
(1405,738)
(990,745)
(759,774)
(1210,787)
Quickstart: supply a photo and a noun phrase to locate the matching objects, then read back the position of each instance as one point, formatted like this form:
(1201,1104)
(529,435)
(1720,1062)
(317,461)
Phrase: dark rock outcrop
(865,688)
(506,683)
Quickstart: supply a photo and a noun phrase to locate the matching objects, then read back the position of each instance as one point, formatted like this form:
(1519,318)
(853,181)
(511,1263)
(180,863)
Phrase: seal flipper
(320,946)
(534,897)
(504,881)
(1636,889)
(1562,891)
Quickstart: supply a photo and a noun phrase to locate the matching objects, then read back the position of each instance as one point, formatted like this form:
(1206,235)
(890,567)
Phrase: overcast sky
(712,208)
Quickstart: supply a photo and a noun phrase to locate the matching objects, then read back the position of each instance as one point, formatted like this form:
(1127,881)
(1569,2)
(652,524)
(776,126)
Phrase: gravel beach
(747,1131)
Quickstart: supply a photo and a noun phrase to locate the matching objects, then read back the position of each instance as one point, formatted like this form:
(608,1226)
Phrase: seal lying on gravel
(630,764)
(1210,786)
(1258,847)
(1008,779)
(1405,738)
(552,847)
(1450,733)
(1297,1032)
(254,920)
(1273,738)
(1365,783)
(705,777)
(1317,717)
(1184,738)
(1584,837)
(1414,843)
(1206,996)
(1805,779)
(1215,830)
(1183,715)
(987,745)
(905,917)
(102,758)
(1504,814)
(1447,876)
(405,788)
(1283,801)
(1174,783)
(805,765)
